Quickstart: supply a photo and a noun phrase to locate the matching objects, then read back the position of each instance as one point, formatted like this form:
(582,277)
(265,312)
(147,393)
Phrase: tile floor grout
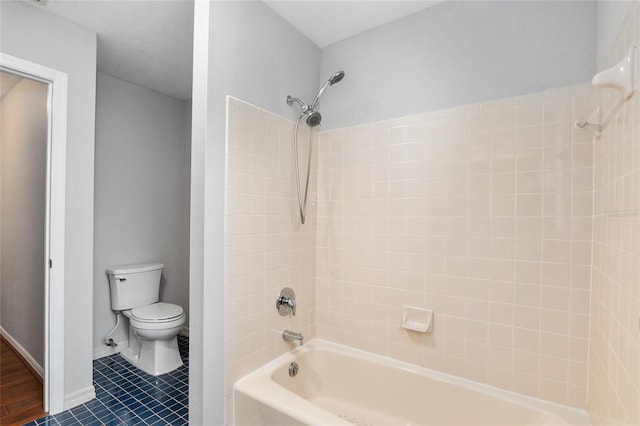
(128,396)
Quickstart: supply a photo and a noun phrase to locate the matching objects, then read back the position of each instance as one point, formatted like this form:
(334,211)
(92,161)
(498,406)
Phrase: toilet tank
(134,285)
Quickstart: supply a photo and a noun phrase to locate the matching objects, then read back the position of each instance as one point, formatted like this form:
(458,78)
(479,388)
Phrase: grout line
(121,390)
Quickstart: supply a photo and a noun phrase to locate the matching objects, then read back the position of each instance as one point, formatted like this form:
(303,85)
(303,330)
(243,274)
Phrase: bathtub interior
(368,392)
(352,387)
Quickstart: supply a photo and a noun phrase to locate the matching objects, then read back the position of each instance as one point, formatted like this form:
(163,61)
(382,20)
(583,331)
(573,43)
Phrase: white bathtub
(338,385)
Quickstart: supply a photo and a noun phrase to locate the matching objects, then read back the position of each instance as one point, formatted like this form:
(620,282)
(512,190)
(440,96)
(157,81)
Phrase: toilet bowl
(153,345)
(153,325)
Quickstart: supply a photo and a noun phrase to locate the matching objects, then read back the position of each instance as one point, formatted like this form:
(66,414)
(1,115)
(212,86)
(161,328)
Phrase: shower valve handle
(286,302)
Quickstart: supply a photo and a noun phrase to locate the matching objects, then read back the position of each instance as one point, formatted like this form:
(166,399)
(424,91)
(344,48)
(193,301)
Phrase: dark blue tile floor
(128,396)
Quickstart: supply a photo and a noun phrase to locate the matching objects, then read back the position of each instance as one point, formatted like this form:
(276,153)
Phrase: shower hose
(302,200)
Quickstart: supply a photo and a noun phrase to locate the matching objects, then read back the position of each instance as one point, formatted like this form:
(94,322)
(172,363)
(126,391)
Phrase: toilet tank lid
(134,269)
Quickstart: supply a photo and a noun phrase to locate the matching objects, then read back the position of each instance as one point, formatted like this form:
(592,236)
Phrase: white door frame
(54,224)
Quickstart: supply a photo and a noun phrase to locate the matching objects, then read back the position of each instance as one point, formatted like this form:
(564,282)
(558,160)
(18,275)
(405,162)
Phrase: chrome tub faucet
(293,337)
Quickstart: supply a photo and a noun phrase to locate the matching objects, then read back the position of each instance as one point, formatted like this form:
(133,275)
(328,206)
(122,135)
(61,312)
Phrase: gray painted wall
(23,143)
(58,44)
(457,53)
(141,193)
(260,58)
(254,55)
(610,16)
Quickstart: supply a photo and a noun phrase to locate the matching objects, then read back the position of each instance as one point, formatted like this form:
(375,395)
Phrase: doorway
(23,188)
(32,207)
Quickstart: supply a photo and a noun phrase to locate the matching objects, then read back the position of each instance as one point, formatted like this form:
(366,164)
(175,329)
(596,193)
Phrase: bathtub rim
(259,383)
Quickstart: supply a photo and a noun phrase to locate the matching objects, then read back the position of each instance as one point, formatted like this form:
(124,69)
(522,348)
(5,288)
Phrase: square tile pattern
(482,213)
(266,246)
(518,229)
(128,396)
(614,345)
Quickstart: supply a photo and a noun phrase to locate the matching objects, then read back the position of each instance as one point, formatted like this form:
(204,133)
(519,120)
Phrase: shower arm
(304,106)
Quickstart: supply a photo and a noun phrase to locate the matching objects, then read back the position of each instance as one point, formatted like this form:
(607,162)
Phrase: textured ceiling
(327,21)
(148,43)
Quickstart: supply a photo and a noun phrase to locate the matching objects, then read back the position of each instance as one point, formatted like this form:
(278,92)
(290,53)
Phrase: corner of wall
(73,399)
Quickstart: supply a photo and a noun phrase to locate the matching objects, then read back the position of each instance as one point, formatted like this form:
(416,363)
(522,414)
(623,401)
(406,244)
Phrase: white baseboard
(23,352)
(78,397)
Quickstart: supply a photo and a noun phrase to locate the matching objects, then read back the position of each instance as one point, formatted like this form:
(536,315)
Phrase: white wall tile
(476,221)
(482,214)
(614,363)
(266,247)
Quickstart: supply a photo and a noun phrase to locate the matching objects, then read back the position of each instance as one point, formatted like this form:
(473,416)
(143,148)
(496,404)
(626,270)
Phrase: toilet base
(155,357)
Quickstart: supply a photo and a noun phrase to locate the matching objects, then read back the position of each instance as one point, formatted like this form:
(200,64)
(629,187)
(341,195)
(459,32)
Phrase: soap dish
(417,319)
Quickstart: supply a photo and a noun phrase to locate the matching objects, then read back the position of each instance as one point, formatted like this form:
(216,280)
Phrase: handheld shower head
(313,117)
(335,78)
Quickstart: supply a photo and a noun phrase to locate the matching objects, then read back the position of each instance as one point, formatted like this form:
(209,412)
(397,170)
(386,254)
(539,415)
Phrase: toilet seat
(157,313)
(157,316)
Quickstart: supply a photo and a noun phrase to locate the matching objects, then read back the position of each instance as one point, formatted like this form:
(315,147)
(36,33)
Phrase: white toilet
(153,325)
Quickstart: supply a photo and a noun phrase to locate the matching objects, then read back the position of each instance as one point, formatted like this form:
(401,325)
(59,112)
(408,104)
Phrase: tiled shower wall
(614,371)
(266,247)
(483,214)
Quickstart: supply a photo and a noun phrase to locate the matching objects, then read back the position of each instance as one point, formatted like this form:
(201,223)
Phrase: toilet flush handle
(122,279)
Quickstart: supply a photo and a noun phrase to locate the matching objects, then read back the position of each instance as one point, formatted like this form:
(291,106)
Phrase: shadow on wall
(23,180)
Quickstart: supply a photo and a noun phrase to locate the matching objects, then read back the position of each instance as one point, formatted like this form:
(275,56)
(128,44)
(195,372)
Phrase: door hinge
(50,263)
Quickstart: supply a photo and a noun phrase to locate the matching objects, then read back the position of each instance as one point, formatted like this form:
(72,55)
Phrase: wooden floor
(20,390)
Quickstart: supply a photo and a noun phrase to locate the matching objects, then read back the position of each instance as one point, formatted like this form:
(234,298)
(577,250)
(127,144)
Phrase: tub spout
(293,337)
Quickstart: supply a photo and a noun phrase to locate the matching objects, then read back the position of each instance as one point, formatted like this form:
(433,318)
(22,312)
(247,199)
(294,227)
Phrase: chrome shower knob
(286,302)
